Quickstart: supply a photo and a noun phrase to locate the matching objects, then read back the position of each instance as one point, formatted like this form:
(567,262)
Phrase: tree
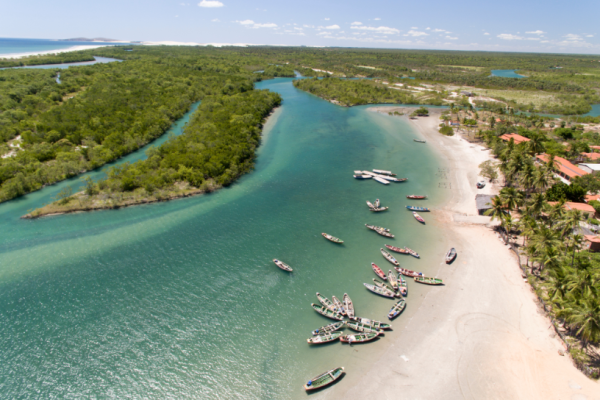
(447,130)
(489,170)
(64,196)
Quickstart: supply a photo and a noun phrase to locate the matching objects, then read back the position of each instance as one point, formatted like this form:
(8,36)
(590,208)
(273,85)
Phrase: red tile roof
(517,138)
(569,205)
(564,166)
(590,197)
(591,156)
(592,238)
(595,147)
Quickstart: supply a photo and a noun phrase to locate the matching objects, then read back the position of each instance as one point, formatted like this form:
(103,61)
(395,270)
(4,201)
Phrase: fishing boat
(392,280)
(282,265)
(451,255)
(389,257)
(376,228)
(397,309)
(326,302)
(378,271)
(418,217)
(388,178)
(358,327)
(348,306)
(326,378)
(382,285)
(428,281)
(402,286)
(329,328)
(396,249)
(338,305)
(326,312)
(408,272)
(419,141)
(377,203)
(326,338)
(362,176)
(421,209)
(332,238)
(416,197)
(371,206)
(378,209)
(402,179)
(383,172)
(381,180)
(380,291)
(412,253)
(359,337)
(372,323)
(358,172)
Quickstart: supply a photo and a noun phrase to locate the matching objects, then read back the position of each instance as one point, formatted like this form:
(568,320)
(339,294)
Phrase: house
(592,242)
(483,202)
(585,208)
(591,156)
(454,123)
(595,149)
(566,170)
(517,138)
(590,197)
(591,168)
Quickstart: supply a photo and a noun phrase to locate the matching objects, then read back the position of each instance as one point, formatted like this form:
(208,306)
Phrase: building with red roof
(566,170)
(517,138)
(591,156)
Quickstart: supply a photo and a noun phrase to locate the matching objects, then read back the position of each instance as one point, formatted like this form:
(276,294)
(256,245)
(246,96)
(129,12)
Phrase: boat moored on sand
(372,323)
(416,197)
(378,271)
(326,312)
(348,306)
(380,291)
(396,249)
(451,255)
(326,378)
(389,257)
(326,338)
(408,272)
(418,217)
(358,327)
(359,337)
(329,328)
(428,281)
(420,209)
(397,309)
(412,253)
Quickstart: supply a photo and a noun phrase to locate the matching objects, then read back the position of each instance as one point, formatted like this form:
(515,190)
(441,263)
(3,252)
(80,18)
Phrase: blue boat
(422,209)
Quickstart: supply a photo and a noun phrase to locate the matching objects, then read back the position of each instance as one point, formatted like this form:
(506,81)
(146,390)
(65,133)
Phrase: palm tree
(546,242)
(559,279)
(536,144)
(547,257)
(511,198)
(536,205)
(541,179)
(576,243)
(527,177)
(585,315)
(498,210)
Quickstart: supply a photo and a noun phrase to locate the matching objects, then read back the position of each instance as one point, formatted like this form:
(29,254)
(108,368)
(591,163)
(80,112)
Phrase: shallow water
(506,73)
(181,299)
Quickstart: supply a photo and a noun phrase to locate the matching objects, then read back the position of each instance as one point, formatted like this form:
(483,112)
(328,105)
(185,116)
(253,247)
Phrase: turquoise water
(595,112)
(506,73)
(181,299)
(16,46)
(99,60)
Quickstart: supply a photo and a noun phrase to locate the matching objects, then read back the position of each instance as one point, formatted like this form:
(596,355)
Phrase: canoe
(402,286)
(396,249)
(362,176)
(412,253)
(338,305)
(416,197)
(329,328)
(414,208)
(380,291)
(382,285)
(419,141)
(408,272)
(359,327)
(392,280)
(326,378)
(357,172)
(348,306)
(282,265)
(418,217)
(326,302)
(332,238)
(451,255)
(358,337)
(389,178)
(401,179)
(389,257)
(381,180)
(377,203)
(371,206)
(378,271)
(379,209)
(383,172)
(372,323)
(326,312)
(376,228)
(397,309)
(326,338)
(428,281)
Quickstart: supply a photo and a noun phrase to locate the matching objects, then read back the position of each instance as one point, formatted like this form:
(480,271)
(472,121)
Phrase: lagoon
(506,73)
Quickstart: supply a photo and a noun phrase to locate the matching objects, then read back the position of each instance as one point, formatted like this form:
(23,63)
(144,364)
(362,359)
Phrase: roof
(517,138)
(592,238)
(591,156)
(593,167)
(570,205)
(595,147)
(484,201)
(564,166)
(590,197)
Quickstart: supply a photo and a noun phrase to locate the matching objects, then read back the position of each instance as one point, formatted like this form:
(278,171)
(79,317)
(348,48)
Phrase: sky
(524,26)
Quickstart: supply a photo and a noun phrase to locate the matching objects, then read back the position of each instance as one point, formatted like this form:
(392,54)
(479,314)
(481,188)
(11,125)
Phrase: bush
(596,205)
(561,191)
(447,130)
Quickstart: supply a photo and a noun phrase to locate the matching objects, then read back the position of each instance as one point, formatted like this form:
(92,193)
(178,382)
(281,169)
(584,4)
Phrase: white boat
(371,206)
(362,176)
(383,172)
(388,178)
(380,180)
(357,172)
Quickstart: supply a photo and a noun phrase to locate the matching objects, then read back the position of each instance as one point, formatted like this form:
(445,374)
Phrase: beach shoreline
(45,52)
(482,335)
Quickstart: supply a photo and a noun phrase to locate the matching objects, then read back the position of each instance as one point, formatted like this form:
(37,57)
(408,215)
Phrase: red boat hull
(408,272)
(378,271)
(396,249)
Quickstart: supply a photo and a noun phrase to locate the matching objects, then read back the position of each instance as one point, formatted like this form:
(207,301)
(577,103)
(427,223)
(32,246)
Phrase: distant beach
(39,53)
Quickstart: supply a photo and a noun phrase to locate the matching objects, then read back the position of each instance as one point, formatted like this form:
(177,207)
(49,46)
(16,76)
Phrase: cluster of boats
(379,175)
(376,207)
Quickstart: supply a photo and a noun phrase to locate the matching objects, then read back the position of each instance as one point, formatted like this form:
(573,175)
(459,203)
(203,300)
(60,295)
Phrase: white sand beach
(39,53)
(482,335)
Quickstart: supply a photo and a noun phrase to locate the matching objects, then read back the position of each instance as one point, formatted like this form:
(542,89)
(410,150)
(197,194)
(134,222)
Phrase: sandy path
(481,336)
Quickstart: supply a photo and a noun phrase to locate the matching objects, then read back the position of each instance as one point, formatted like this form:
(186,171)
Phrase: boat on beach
(282,265)
(428,281)
(392,280)
(451,255)
(389,257)
(326,338)
(329,328)
(412,253)
(380,291)
(418,217)
(326,378)
(378,271)
(408,272)
(416,197)
(372,323)
(326,302)
(338,305)
(332,238)
(402,285)
(381,180)
(383,172)
(396,249)
(348,306)
(359,337)
(419,141)
(326,312)
(397,309)
(421,209)
(358,327)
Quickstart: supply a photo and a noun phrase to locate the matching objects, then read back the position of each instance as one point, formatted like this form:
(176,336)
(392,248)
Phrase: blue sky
(540,26)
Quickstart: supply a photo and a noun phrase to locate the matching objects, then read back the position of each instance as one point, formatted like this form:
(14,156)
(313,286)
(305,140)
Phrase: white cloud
(428,28)
(486,34)
(246,22)
(415,33)
(210,4)
(377,19)
(356,23)
(322,33)
(451,38)
(215,20)
(327,19)
(414,27)
(268,25)
(509,36)
(440,30)
(308,26)
(379,29)
(332,27)
(298,29)
(538,32)
(251,24)
(572,36)
(545,41)
(589,35)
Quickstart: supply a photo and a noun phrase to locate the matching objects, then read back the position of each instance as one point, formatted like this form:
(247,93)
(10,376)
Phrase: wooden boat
(383,172)
(421,209)
(326,302)
(408,272)
(329,328)
(397,309)
(402,286)
(326,378)
(428,281)
(396,249)
(451,255)
(402,180)
(332,238)
(326,312)
(338,305)
(358,337)
(376,228)
(371,206)
(358,172)
(358,327)
(326,338)
(378,271)
(416,197)
(382,285)
(392,280)
(380,291)
(379,209)
(372,323)
(419,141)
(377,203)
(348,306)
(282,265)
(381,180)
(362,176)
(388,178)
(412,253)
(389,257)
(383,232)
(418,217)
